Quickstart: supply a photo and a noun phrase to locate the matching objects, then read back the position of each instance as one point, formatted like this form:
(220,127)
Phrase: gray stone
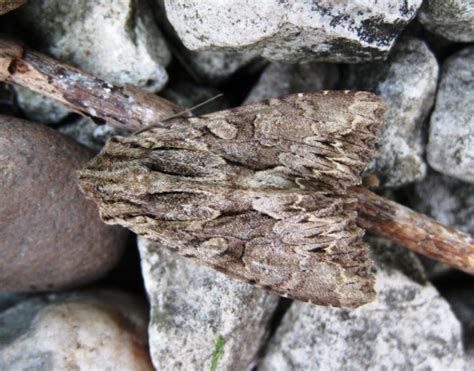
(452,19)
(461,298)
(447,200)
(216,66)
(291,31)
(199,315)
(282,79)
(450,202)
(87,133)
(409,326)
(39,108)
(451,139)
(90,331)
(116,41)
(407,84)
(213,67)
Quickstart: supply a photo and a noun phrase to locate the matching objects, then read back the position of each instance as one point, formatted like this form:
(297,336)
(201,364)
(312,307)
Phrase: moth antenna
(187,110)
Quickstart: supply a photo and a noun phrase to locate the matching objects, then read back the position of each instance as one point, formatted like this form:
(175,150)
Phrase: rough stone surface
(216,66)
(451,140)
(407,84)
(39,108)
(101,330)
(212,67)
(409,326)
(461,298)
(337,31)
(281,79)
(116,41)
(194,309)
(452,19)
(450,202)
(447,200)
(87,133)
(51,236)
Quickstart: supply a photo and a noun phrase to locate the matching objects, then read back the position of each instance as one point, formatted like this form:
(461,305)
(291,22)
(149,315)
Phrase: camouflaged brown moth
(257,192)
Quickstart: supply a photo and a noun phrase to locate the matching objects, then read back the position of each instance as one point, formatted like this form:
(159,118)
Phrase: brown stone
(51,236)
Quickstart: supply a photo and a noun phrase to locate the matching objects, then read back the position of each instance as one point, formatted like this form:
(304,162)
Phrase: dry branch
(123,107)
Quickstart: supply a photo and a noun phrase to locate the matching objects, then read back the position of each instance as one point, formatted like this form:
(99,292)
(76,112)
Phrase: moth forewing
(256,192)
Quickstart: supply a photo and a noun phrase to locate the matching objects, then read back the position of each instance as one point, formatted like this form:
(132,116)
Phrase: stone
(446,199)
(450,147)
(461,298)
(199,316)
(8,299)
(280,79)
(39,108)
(450,202)
(216,66)
(7,100)
(212,67)
(293,31)
(409,326)
(98,330)
(115,41)
(87,133)
(407,84)
(52,237)
(453,19)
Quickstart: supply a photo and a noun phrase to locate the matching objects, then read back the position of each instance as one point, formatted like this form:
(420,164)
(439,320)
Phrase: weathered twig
(124,107)
(134,110)
(9,5)
(414,230)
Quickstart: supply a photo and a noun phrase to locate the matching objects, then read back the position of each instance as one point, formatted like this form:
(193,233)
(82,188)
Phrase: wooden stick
(124,107)
(135,110)
(414,230)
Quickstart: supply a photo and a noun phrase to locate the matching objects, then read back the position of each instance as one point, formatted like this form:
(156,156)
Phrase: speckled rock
(447,200)
(118,42)
(407,84)
(281,79)
(461,297)
(291,31)
(101,330)
(216,66)
(51,236)
(453,19)
(450,202)
(451,139)
(39,108)
(409,326)
(212,67)
(199,316)
(87,133)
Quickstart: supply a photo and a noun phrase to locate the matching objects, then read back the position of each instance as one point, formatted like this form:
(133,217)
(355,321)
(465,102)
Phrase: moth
(258,192)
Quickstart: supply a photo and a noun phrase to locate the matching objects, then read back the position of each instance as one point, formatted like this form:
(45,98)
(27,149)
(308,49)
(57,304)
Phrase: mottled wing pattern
(256,192)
